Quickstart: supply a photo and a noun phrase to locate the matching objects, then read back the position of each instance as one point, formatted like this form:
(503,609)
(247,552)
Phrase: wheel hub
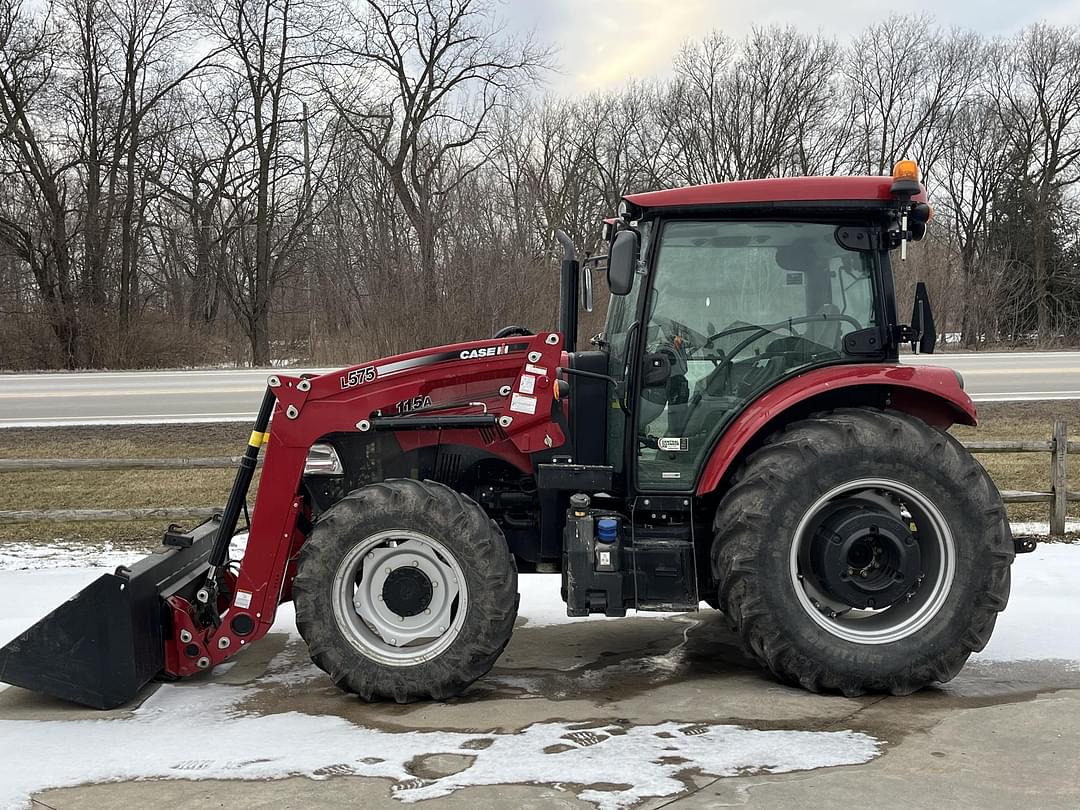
(863,556)
(404,594)
(407,591)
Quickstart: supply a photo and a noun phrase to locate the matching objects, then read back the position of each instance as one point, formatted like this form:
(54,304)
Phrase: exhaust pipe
(569,272)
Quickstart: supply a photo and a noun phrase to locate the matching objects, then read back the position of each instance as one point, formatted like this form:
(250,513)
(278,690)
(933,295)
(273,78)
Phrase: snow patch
(1042,620)
(632,764)
(64,554)
(1041,529)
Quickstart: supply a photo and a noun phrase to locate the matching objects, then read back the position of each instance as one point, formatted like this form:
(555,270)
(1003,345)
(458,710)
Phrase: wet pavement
(598,697)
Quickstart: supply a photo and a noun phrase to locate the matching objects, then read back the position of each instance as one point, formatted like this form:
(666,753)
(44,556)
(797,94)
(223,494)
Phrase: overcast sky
(602,43)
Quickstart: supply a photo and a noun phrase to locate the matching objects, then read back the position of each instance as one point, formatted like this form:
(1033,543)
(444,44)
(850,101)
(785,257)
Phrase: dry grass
(136,488)
(1001,421)
(125,489)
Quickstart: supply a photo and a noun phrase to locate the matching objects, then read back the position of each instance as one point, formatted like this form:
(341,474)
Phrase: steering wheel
(757,331)
(510,331)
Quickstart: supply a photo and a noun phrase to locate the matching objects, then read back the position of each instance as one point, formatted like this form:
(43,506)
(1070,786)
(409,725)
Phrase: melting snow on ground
(632,763)
(619,766)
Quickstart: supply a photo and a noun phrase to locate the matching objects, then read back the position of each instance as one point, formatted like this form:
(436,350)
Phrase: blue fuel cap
(607,530)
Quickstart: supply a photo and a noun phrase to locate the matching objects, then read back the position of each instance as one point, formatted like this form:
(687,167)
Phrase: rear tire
(769,556)
(430,553)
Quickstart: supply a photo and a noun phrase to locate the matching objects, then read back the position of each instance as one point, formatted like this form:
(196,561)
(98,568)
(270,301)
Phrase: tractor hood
(508,381)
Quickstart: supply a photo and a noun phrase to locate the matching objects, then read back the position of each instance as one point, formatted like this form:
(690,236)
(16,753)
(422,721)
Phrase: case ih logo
(490,351)
(358,376)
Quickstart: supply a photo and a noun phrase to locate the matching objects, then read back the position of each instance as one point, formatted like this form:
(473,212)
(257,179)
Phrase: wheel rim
(400,597)
(935,551)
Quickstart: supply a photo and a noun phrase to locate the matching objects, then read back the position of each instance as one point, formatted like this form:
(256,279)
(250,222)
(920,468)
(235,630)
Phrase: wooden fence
(1057,446)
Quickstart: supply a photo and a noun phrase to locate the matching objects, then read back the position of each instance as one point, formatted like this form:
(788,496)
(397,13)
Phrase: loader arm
(507,389)
(188,608)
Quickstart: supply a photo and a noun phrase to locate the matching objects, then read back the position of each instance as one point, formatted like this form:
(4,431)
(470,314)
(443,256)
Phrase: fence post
(1059,483)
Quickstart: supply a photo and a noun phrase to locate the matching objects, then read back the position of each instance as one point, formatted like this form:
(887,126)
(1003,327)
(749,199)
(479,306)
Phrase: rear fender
(931,393)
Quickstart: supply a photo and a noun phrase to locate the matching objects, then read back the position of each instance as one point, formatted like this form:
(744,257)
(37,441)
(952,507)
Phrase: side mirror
(586,288)
(923,332)
(622,262)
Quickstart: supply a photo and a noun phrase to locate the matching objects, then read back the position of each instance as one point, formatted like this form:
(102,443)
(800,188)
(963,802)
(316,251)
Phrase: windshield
(734,307)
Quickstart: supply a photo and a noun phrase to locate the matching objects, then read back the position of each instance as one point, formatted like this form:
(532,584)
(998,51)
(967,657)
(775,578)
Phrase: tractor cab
(732,307)
(721,292)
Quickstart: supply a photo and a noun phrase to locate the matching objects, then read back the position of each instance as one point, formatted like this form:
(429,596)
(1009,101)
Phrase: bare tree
(28,57)
(270,45)
(905,78)
(419,87)
(269,198)
(750,111)
(1037,92)
(974,158)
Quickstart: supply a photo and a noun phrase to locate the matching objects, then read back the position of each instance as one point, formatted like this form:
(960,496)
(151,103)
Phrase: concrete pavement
(155,397)
(999,736)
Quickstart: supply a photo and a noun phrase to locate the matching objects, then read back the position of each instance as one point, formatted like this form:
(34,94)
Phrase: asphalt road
(48,399)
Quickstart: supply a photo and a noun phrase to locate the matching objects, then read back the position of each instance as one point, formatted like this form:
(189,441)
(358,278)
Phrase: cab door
(734,308)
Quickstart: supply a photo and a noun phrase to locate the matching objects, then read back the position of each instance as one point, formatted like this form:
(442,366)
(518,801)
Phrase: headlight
(323,459)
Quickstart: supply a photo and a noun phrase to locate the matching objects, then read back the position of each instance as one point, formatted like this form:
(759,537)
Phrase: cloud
(601,45)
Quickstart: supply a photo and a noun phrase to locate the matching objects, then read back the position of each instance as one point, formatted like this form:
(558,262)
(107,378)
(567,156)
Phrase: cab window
(734,308)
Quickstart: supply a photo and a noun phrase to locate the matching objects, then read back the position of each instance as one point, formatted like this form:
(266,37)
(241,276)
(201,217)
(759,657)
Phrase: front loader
(742,433)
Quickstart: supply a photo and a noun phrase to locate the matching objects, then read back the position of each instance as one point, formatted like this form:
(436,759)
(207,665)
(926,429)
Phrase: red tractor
(740,433)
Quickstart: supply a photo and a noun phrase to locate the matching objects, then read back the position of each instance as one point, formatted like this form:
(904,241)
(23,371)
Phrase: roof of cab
(780,190)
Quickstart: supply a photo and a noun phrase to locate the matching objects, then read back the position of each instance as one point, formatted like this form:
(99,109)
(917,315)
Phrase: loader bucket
(100,647)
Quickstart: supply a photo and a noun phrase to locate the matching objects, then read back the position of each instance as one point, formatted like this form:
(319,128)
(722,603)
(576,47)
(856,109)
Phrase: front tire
(862,550)
(405,591)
